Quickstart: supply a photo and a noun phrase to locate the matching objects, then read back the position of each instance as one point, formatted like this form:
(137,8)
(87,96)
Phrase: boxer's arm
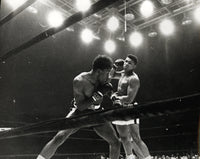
(78,90)
(117,69)
(132,90)
(115,74)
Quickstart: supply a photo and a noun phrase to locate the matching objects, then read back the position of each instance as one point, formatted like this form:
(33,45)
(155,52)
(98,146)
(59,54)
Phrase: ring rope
(16,11)
(177,105)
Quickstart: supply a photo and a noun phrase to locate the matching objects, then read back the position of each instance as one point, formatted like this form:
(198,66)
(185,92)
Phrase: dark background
(36,84)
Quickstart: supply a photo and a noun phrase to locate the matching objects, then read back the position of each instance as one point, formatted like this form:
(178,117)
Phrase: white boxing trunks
(128,122)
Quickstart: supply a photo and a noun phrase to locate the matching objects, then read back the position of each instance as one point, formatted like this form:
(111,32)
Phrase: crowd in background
(172,156)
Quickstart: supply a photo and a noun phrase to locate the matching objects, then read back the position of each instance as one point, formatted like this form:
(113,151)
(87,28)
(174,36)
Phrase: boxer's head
(133,58)
(130,63)
(102,65)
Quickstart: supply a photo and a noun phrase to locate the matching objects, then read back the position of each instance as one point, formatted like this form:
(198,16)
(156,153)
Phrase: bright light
(121,38)
(147,8)
(167,27)
(152,33)
(110,46)
(55,19)
(97,15)
(83,5)
(96,37)
(129,16)
(135,39)
(113,23)
(70,29)
(197,15)
(15,3)
(32,10)
(87,36)
(186,20)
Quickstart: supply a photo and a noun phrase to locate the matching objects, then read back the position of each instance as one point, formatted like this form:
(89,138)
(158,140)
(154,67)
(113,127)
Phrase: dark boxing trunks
(75,112)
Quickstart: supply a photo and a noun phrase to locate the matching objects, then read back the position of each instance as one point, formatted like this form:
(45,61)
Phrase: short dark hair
(102,62)
(133,58)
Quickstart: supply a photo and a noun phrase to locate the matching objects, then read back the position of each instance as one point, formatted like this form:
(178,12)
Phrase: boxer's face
(104,76)
(128,64)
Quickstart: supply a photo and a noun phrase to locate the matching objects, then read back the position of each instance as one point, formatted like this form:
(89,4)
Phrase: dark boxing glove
(106,89)
(97,98)
(118,64)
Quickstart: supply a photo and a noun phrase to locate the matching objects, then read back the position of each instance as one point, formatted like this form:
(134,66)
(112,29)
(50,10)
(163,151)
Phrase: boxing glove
(106,89)
(118,64)
(114,96)
(116,100)
(97,98)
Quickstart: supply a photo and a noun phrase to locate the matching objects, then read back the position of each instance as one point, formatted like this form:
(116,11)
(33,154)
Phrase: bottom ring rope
(177,105)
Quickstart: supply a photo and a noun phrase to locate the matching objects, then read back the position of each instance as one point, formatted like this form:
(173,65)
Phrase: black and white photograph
(99,79)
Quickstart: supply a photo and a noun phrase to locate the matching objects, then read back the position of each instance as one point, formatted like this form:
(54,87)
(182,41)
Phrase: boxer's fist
(114,96)
(116,100)
(106,89)
(117,103)
(95,107)
(118,64)
(97,98)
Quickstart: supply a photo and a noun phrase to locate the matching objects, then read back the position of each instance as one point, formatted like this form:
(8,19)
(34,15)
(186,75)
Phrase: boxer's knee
(115,142)
(124,139)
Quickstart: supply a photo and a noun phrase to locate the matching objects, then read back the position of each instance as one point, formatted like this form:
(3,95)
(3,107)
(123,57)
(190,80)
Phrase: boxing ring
(161,108)
(143,111)
(158,108)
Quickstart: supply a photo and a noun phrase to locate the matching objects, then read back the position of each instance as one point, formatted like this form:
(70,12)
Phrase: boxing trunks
(75,112)
(127,122)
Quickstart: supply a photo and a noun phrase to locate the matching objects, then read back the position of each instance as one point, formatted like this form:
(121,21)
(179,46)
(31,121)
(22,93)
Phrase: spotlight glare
(83,5)
(15,3)
(96,37)
(55,19)
(87,36)
(121,38)
(70,29)
(113,23)
(167,27)
(135,39)
(32,10)
(152,34)
(110,46)
(129,16)
(147,8)
(197,15)
(186,21)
